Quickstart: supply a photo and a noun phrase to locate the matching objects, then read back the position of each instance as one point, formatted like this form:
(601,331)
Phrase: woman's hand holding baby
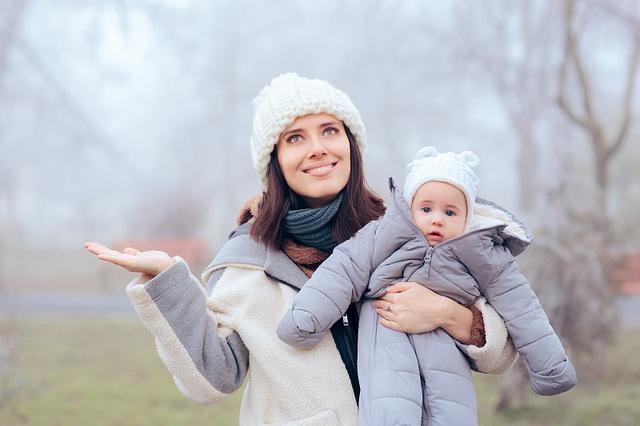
(412,308)
(148,263)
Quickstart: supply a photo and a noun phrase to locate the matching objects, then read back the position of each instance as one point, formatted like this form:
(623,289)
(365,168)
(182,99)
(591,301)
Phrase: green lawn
(105,371)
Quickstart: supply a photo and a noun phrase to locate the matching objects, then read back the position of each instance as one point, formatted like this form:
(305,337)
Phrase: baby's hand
(148,263)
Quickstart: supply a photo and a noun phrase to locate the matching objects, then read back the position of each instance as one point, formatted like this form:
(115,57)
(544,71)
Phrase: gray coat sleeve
(508,291)
(338,282)
(206,366)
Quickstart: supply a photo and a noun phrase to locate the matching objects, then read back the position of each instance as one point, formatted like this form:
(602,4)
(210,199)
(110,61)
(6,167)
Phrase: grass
(105,371)
(99,371)
(613,399)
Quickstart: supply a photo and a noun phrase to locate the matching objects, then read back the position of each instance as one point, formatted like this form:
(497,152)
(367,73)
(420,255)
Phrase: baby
(440,235)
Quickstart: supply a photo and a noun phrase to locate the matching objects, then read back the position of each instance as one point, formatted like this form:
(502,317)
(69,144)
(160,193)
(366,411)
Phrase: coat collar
(242,250)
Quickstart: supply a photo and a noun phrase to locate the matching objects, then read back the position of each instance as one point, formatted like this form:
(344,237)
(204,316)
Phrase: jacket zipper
(345,338)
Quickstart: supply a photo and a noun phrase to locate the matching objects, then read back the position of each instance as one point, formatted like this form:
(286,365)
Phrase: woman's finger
(131,251)
(92,248)
(385,314)
(118,259)
(390,324)
(110,258)
(379,304)
(388,297)
(97,248)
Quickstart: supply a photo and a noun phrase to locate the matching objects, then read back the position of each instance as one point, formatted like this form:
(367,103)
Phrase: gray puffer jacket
(411,379)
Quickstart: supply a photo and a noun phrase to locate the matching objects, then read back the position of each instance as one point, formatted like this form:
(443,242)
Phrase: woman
(306,147)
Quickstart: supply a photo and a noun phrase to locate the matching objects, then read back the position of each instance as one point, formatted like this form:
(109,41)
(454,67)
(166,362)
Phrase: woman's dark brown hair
(359,206)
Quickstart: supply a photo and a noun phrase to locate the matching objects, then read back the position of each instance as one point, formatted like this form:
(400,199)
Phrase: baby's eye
(426,209)
(450,213)
(294,138)
(330,131)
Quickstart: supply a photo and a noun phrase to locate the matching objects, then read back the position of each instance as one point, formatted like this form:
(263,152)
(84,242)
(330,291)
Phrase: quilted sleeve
(207,362)
(339,281)
(508,291)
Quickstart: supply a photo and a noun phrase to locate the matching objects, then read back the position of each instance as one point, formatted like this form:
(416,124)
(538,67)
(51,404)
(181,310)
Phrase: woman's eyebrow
(329,123)
(292,131)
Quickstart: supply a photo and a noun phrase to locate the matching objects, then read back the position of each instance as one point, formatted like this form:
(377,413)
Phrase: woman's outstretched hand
(148,263)
(412,308)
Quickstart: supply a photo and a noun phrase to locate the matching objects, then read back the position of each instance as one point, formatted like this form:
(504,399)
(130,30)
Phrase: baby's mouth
(435,235)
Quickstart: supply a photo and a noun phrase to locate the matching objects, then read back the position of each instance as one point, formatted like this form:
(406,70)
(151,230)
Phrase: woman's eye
(450,213)
(330,131)
(426,209)
(294,138)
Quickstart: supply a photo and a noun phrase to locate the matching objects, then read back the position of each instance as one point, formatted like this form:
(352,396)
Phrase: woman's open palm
(148,263)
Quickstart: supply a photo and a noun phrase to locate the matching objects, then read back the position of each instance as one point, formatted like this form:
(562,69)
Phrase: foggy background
(130,121)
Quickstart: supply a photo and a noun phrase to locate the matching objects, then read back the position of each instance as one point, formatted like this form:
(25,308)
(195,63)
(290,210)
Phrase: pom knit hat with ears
(449,167)
(289,97)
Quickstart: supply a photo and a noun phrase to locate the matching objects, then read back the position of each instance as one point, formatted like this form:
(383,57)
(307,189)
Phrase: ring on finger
(389,307)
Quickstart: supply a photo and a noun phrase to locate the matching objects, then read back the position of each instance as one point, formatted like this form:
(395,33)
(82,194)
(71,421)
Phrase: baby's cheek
(423,226)
(458,229)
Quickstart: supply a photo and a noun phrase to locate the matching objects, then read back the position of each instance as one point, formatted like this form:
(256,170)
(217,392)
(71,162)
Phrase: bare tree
(529,54)
(571,255)
(11,14)
(566,270)
(10,23)
(604,145)
(509,44)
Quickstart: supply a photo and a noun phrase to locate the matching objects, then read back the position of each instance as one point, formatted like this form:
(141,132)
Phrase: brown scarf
(307,258)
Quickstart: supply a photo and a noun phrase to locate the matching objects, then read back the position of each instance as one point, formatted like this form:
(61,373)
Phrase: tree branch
(613,8)
(65,99)
(562,77)
(574,52)
(12,22)
(629,92)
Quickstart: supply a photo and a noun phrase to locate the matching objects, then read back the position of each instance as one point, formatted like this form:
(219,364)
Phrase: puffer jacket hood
(399,241)
(488,216)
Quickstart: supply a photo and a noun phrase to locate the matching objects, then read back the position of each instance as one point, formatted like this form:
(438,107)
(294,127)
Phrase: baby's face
(440,211)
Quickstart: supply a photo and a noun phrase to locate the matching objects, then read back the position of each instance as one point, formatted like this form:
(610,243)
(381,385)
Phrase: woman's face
(313,154)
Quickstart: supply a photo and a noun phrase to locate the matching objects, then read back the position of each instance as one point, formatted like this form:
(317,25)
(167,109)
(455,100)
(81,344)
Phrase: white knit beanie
(449,167)
(289,97)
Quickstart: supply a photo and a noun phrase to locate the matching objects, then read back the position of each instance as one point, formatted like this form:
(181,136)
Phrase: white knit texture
(288,97)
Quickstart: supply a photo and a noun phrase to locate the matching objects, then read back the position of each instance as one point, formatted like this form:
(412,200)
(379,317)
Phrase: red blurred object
(625,274)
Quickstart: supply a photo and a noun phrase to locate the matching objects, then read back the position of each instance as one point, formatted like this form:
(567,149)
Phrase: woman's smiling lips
(320,169)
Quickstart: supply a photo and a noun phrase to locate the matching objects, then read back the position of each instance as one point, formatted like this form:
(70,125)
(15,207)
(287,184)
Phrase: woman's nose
(317,148)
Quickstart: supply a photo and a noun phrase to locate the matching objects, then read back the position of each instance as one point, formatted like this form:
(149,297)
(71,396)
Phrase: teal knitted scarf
(311,227)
